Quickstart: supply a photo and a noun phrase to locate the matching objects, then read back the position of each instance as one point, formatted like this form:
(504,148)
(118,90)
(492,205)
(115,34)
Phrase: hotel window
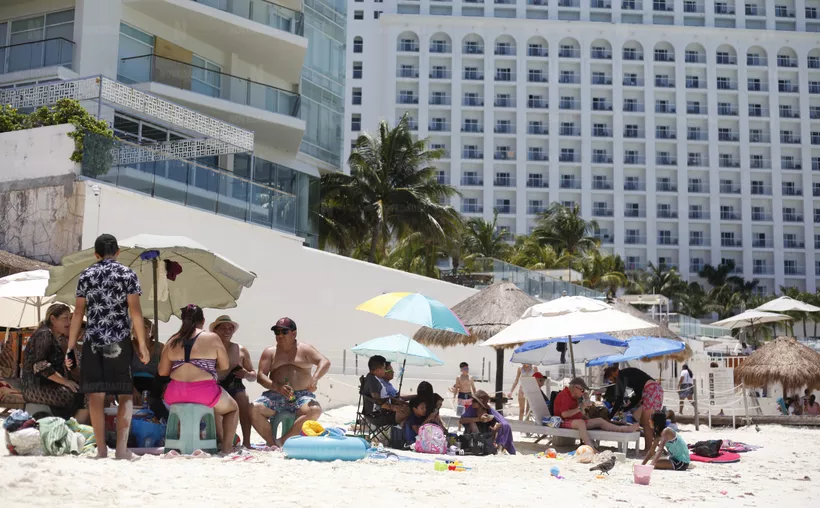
(358,14)
(206,76)
(356,122)
(357,96)
(358,45)
(357,70)
(134,43)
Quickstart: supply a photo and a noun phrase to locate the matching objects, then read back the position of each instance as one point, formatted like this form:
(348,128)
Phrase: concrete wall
(317,289)
(41,204)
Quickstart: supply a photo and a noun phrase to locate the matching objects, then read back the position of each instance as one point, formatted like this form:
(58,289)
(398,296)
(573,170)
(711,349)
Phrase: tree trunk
(374,242)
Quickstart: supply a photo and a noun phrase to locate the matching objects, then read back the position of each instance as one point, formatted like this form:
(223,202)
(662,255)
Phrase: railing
(504,208)
(264,12)
(533,283)
(472,208)
(633,81)
(634,185)
(698,215)
(472,101)
(504,181)
(633,212)
(603,212)
(36,55)
(569,184)
(538,183)
(407,72)
(403,98)
(198,186)
(602,184)
(439,126)
(472,180)
(634,239)
(698,188)
(153,68)
(441,74)
(439,100)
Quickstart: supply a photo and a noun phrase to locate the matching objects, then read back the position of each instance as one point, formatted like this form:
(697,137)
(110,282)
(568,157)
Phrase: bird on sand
(605,466)
(757,428)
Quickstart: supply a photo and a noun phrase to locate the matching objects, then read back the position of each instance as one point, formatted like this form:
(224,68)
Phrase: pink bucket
(642,474)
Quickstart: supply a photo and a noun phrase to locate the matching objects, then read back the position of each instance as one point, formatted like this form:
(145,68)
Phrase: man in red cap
(287,371)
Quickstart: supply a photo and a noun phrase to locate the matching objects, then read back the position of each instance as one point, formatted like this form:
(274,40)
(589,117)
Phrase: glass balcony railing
(157,69)
(533,283)
(283,205)
(36,55)
(262,11)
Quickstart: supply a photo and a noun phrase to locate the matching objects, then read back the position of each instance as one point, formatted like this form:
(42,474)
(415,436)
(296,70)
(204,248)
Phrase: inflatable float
(325,448)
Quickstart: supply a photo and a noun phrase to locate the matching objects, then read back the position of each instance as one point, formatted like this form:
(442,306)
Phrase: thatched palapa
(782,361)
(12,263)
(484,314)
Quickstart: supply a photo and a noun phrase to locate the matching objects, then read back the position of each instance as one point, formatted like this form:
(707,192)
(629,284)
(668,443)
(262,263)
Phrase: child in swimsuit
(464,387)
(669,440)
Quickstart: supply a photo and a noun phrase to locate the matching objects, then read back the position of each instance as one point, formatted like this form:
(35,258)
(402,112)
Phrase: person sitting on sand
(417,418)
(480,414)
(569,408)
(668,439)
(192,357)
(812,407)
(795,408)
(290,371)
(378,387)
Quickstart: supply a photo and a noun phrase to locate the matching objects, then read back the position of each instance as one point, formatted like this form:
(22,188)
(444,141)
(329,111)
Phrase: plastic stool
(183,431)
(38,411)
(285,419)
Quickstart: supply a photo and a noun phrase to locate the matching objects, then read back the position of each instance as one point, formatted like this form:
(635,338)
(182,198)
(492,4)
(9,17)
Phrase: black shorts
(107,369)
(679,465)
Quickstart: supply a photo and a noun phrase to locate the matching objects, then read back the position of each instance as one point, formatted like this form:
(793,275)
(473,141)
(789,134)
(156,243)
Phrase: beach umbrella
(750,318)
(567,316)
(553,351)
(23,300)
(639,348)
(174,271)
(414,308)
(783,361)
(787,304)
(484,314)
(399,348)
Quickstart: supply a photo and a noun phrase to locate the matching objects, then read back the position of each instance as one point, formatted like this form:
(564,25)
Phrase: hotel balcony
(268,35)
(272,113)
(40,60)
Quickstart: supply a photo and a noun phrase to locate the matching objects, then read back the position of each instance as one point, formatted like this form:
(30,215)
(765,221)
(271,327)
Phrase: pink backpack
(431,439)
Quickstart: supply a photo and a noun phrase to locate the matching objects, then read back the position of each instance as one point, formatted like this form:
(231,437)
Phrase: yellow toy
(312,428)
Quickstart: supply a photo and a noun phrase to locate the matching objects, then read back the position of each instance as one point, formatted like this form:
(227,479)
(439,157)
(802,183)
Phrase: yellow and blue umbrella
(415,308)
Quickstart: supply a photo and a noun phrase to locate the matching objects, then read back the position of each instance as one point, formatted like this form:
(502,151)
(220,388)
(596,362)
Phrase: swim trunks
(652,399)
(465,395)
(275,401)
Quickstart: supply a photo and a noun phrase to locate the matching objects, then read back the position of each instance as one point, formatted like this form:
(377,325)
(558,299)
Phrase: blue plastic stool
(283,418)
(185,423)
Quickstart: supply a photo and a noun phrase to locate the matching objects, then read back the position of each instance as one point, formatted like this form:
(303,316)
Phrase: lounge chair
(541,413)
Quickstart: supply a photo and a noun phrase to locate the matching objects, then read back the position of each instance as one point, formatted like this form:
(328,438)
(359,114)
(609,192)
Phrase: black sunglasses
(281,331)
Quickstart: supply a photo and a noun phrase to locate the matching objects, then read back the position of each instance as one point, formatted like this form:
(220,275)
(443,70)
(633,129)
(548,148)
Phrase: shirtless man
(285,370)
(240,369)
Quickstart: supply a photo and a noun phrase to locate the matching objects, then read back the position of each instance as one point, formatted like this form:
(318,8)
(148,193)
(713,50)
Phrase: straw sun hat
(221,320)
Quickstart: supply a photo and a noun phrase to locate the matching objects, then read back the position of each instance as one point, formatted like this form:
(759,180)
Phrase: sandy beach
(784,472)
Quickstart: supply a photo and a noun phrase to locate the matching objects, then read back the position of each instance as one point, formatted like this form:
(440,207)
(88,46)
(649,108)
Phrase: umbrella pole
(155,263)
(499,379)
(401,379)
(39,303)
(571,354)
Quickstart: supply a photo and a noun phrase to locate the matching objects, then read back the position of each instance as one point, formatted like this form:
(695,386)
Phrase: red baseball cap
(286,323)
(538,375)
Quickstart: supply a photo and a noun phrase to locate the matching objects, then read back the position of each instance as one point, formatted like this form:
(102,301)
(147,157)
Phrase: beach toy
(554,471)
(440,466)
(312,428)
(584,454)
(325,448)
(551,453)
(641,474)
(190,427)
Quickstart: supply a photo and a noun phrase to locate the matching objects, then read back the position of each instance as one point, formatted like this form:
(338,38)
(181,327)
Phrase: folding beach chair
(372,421)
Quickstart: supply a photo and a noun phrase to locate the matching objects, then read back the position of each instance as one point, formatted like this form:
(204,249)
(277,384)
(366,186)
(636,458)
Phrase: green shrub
(86,128)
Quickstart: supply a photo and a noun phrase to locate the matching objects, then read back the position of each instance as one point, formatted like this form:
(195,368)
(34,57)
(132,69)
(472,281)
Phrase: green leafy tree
(485,239)
(391,192)
(566,231)
(604,272)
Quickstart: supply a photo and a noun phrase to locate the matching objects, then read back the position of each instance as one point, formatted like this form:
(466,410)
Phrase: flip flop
(170,455)
(199,454)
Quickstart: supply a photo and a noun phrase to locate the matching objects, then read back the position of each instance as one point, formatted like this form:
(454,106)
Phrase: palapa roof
(12,263)
(782,361)
(484,314)
(660,329)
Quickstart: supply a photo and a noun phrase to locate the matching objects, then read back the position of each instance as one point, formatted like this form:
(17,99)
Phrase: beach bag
(431,439)
(552,422)
(396,438)
(709,448)
(478,444)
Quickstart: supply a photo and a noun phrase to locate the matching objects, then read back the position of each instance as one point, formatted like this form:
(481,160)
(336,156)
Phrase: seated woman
(45,378)
(146,375)
(191,357)
(481,417)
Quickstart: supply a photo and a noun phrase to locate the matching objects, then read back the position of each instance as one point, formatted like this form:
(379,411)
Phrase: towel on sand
(58,439)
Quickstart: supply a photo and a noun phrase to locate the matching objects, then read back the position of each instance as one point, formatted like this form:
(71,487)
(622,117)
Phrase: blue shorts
(275,401)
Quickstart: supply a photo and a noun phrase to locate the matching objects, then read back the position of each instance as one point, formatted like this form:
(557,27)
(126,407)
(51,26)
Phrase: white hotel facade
(689,130)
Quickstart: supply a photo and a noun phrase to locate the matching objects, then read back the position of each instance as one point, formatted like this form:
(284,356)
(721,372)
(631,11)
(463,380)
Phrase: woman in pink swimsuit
(191,357)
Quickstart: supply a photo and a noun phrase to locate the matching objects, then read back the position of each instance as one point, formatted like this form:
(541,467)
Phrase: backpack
(431,439)
(478,443)
(709,448)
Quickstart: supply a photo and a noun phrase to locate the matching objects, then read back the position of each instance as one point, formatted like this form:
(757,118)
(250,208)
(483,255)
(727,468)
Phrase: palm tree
(567,231)
(485,239)
(694,301)
(603,271)
(391,191)
(662,280)
(533,256)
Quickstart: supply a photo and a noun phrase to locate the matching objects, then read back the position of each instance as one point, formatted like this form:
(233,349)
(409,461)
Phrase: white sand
(772,476)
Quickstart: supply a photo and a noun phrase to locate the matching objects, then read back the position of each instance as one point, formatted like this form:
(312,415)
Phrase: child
(670,420)
(418,410)
(465,384)
(666,438)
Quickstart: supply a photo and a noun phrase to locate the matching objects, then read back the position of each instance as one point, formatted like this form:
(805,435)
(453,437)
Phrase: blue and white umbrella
(639,348)
(555,351)
(398,348)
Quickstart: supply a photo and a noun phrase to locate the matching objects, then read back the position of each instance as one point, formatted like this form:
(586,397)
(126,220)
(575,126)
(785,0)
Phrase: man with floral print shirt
(108,294)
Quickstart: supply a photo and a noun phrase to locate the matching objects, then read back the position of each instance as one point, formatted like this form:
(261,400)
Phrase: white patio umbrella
(787,304)
(566,317)
(750,318)
(23,300)
(206,279)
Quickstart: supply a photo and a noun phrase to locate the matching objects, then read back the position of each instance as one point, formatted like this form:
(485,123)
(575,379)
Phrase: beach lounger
(541,413)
